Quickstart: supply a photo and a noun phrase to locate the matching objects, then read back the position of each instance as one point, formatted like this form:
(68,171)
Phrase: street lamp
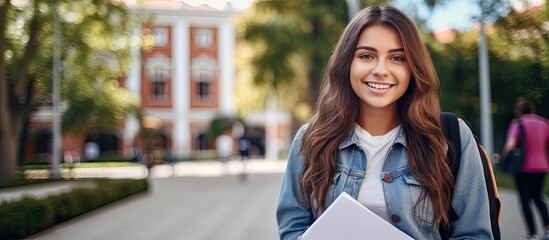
(485,96)
(56,118)
(352,7)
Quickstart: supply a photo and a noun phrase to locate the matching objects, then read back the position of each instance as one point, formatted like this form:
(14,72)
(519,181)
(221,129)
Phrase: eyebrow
(375,50)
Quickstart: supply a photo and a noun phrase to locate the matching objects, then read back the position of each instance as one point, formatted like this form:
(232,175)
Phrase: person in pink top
(530,179)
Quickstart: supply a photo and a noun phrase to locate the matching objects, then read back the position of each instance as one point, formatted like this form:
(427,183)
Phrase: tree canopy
(97,36)
(518,66)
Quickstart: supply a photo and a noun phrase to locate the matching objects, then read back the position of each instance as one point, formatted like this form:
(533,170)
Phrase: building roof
(445,35)
(177,5)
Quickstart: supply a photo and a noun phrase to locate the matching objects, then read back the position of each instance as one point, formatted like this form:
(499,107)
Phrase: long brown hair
(419,110)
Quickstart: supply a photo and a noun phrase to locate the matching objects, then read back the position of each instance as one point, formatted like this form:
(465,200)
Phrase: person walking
(244,146)
(224,145)
(531,176)
(377,135)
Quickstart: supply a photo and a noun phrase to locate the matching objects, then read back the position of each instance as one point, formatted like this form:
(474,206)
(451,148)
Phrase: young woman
(376,134)
(529,180)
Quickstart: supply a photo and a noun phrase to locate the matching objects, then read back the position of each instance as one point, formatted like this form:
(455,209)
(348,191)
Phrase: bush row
(28,215)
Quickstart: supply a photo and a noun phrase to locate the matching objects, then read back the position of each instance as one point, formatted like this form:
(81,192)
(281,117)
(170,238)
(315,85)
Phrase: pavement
(204,200)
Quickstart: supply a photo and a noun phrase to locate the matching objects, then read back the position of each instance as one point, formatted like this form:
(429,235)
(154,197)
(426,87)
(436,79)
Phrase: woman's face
(379,72)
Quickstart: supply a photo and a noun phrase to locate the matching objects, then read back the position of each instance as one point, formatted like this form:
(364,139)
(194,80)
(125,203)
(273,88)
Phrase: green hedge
(28,215)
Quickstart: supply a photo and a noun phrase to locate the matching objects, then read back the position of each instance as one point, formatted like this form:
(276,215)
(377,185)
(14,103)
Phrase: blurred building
(183,82)
(187,78)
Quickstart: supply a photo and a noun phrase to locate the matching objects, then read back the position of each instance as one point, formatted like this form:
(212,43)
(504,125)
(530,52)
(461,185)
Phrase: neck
(378,123)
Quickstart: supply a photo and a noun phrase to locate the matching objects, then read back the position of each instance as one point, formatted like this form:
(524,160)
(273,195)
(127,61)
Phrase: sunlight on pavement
(216,168)
(206,168)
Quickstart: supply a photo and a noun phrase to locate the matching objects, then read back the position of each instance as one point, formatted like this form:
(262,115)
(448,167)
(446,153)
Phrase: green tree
(523,36)
(96,39)
(293,37)
(517,56)
(290,38)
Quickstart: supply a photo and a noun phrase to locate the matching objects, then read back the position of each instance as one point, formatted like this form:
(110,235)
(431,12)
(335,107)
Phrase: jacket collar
(352,139)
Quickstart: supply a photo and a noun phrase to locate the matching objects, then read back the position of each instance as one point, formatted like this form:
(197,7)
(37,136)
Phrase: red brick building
(183,82)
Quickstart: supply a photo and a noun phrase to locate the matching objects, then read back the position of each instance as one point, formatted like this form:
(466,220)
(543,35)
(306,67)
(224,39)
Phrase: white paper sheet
(346,218)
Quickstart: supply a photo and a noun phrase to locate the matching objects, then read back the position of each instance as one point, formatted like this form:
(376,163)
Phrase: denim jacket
(401,190)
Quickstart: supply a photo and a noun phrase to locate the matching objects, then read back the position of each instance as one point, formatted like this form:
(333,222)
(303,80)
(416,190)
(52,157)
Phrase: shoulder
(467,137)
(514,124)
(470,154)
(464,129)
(297,141)
(539,118)
(300,132)
(302,129)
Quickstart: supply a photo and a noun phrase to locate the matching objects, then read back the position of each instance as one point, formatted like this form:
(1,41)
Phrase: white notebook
(346,218)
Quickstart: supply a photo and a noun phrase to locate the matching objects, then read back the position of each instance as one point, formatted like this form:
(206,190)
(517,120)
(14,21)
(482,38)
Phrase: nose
(380,70)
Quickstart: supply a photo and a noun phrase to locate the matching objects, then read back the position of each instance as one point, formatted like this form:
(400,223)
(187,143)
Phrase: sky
(457,14)
(460,11)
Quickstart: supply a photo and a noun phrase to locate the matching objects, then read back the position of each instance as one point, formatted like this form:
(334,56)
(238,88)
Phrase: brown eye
(366,56)
(398,58)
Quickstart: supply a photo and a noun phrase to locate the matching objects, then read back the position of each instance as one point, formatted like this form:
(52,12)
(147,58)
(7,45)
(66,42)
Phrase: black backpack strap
(522,132)
(493,196)
(450,127)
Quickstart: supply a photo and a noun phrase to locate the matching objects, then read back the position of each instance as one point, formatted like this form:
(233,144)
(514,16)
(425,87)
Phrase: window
(160,37)
(204,38)
(159,86)
(158,70)
(204,93)
(204,71)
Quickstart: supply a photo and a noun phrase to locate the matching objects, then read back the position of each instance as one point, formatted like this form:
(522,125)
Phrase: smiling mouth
(378,85)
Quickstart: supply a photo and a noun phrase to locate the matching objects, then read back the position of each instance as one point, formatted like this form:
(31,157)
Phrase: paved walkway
(203,201)
(212,202)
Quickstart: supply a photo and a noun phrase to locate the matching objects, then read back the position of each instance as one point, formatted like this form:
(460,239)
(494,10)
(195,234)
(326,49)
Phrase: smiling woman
(376,135)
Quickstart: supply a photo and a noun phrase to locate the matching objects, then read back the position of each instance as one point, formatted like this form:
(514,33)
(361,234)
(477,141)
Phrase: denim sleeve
(470,200)
(293,216)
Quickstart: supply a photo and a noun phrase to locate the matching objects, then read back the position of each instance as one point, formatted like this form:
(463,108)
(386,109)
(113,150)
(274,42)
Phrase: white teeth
(378,85)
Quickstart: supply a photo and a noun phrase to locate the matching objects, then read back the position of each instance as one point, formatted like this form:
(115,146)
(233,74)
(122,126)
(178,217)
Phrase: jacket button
(388,178)
(395,218)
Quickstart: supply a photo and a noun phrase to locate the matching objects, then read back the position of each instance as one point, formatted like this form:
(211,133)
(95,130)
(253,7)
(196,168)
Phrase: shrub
(23,217)
(28,215)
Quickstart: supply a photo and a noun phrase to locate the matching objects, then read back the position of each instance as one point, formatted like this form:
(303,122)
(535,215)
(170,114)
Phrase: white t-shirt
(370,193)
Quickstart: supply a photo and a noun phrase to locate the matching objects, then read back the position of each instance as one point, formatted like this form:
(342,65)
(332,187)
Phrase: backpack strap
(522,136)
(450,127)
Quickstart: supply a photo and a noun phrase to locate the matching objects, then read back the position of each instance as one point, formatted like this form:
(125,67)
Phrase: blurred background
(119,80)
(157,81)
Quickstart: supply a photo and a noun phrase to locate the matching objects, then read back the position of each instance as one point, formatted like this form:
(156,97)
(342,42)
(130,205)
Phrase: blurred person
(91,151)
(244,146)
(529,180)
(224,145)
(376,134)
